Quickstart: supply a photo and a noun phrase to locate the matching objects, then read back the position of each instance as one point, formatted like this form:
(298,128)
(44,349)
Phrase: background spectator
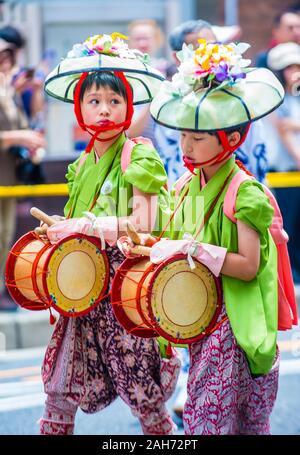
(252,154)
(286,28)
(13,133)
(28,82)
(284,132)
(146,36)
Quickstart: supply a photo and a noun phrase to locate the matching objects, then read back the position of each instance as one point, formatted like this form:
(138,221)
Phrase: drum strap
(287,305)
(209,212)
(213,204)
(169,352)
(206,218)
(125,161)
(217,325)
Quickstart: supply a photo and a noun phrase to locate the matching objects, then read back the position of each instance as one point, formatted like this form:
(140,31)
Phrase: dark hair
(9,54)
(280,76)
(12,35)
(278,17)
(295,8)
(177,36)
(239,129)
(103,79)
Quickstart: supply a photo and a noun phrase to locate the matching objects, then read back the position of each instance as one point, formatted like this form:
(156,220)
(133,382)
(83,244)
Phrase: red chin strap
(96,130)
(227,151)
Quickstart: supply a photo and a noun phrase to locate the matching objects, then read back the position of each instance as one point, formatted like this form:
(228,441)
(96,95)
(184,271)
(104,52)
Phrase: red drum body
(169,299)
(71,276)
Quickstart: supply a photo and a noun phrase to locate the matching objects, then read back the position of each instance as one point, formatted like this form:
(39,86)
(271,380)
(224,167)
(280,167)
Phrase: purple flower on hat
(85,51)
(237,73)
(221,72)
(80,50)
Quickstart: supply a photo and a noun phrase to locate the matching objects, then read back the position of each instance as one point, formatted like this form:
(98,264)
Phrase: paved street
(22,397)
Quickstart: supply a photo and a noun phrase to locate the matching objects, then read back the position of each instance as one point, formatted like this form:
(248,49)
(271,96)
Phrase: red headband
(101,129)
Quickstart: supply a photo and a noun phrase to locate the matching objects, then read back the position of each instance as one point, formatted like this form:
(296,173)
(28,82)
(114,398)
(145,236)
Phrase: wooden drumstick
(42,216)
(141,250)
(134,236)
(132,233)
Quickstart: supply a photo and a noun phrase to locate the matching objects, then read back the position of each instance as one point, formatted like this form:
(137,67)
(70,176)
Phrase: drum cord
(216,326)
(97,194)
(208,214)
(173,214)
(19,254)
(12,284)
(141,326)
(206,218)
(120,302)
(204,221)
(44,303)
(213,204)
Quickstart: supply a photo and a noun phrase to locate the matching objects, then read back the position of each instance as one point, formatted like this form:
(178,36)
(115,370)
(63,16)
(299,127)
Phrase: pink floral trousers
(223,397)
(91,360)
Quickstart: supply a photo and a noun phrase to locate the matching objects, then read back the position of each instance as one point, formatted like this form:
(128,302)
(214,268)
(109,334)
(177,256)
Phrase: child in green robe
(91,360)
(233,375)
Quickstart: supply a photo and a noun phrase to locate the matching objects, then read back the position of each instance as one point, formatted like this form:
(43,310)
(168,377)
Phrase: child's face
(103,107)
(143,38)
(199,147)
(6,61)
(292,76)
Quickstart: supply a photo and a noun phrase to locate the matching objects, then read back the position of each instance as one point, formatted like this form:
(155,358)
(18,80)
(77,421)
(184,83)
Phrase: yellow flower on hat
(92,40)
(216,57)
(210,63)
(117,35)
(202,44)
(205,62)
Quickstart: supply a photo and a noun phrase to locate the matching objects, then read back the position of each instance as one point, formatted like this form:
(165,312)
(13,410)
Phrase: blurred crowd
(22,141)
(271,145)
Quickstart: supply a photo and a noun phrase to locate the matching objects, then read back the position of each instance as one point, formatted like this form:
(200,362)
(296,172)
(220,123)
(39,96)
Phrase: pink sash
(287,307)
(126,152)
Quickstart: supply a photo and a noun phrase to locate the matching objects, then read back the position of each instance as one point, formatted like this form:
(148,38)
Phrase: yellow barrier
(50,189)
(274,180)
(283,179)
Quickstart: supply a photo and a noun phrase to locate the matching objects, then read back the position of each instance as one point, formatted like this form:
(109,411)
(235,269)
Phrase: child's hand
(65,227)
(147,239)
(104,228)
(210,255)
(126,245)
(43,227)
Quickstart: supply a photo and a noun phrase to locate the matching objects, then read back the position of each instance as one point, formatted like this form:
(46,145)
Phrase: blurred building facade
(52,27)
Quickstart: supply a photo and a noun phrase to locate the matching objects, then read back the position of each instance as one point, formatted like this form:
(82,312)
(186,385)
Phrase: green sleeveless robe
(252,307)
(106,180)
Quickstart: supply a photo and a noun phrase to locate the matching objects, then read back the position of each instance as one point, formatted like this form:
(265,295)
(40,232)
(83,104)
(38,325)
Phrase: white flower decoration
(106,187)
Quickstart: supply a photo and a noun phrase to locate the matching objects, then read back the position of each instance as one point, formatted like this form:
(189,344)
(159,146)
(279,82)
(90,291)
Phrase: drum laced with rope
(169,300)
(177,300)
(71,276)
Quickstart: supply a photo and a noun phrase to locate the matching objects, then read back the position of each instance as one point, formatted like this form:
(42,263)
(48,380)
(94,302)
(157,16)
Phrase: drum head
(184,303)
(77,275)
(125,293)
(22,260)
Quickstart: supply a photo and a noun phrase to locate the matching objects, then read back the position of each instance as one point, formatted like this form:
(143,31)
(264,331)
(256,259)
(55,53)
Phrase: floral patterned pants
(223,397)
(91,360)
